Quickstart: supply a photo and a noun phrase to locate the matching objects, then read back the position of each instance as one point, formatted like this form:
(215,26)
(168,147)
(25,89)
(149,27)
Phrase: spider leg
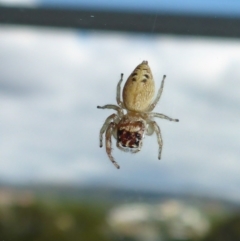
(152,106)
(119,91)
(109,143)
(114,107)
(159,138)
(158,115)
(105,126)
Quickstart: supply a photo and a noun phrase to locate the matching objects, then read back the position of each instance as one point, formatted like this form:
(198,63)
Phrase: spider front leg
(109,133)
(105,126)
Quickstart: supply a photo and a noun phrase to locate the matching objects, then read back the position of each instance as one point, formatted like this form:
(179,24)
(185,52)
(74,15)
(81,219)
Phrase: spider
(137,99)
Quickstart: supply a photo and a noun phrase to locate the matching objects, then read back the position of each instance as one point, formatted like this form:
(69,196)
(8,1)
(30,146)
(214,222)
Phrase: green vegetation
(76,215)
(228,229)
(41,222)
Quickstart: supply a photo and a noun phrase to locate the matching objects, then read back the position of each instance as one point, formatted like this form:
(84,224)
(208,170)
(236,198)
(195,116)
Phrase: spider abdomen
(139,89)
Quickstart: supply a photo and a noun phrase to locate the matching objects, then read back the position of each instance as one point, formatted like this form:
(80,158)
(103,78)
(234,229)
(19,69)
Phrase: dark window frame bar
(151,23)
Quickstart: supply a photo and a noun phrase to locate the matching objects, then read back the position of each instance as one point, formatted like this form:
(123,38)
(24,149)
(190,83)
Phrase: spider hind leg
(153,127)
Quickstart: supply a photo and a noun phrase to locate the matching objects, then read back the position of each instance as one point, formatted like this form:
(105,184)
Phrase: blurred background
(59,59)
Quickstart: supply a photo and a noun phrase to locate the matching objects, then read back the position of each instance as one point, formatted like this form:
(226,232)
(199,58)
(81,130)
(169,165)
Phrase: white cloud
(52,80)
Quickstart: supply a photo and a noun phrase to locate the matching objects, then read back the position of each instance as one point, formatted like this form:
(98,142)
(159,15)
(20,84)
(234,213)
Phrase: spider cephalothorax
(130,128)
(130,132)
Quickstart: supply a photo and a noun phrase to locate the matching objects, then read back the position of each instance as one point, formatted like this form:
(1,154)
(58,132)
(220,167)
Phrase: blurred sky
(52,80)
(202,7)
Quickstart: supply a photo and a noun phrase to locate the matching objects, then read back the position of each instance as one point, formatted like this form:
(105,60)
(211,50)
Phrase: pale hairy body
(139,89)
(129,129)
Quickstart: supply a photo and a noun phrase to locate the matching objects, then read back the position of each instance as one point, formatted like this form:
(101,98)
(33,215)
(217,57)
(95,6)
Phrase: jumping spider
(129,129)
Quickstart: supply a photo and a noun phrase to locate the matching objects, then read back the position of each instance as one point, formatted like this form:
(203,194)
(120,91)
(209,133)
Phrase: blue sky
(52,80)
(228,7)
(209,7)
